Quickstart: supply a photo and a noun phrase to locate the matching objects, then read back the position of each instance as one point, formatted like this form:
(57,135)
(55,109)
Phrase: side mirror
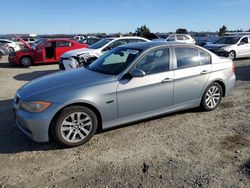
(137,73)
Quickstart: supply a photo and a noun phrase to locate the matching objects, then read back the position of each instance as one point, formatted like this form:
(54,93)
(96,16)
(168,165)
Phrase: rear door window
(180,37)
(63,43)
(187,57)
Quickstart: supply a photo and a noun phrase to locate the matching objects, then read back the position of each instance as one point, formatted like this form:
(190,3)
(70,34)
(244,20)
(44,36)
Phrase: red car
(43,51)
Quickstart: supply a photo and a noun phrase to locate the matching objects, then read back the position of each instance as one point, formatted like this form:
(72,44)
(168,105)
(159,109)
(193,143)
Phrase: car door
(62,46)
(40,53)
(243,47)
(192,70)
(152,92)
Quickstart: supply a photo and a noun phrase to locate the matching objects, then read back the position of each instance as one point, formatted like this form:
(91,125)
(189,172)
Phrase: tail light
(234,67)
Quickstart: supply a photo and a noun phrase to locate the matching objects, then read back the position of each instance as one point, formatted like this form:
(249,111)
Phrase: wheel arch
(90,106)
(221,83)
(30,56)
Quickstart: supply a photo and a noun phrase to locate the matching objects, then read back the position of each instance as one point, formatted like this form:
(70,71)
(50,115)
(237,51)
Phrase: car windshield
(100,43)
(37,42)
(227,40)
(114,61)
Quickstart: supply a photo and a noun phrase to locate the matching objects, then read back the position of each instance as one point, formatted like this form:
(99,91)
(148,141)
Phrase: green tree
(181,31)
(142,31)
(222,31)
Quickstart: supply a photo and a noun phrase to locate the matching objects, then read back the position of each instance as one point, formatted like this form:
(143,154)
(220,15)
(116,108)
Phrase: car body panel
(144,94)
(120,99)
(3,50)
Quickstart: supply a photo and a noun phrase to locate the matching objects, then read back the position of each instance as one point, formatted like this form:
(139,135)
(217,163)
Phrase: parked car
(29,40)
(13,46)
(78,38)
(43,51)
(231,46)
(81,57)
(90,40)
(3,51)
(181,38)
(127,84)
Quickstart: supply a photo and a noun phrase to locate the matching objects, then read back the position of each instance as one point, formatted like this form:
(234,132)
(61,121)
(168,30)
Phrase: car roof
(59,39)
(237,36)
(147,45)
(126,37)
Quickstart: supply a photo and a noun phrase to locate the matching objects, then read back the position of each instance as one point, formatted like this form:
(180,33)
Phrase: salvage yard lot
(185,149)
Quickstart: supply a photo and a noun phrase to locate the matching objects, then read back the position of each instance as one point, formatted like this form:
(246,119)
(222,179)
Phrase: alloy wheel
(231,55)
(76,127)
(213,96)
(26,61)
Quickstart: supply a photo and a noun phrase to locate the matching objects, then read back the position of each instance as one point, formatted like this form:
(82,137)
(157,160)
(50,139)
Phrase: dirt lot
(187,149)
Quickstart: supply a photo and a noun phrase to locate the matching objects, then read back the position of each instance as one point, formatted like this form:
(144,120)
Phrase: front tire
(232,55)
(74,126)
(212,97)
(26,61)
(11,49)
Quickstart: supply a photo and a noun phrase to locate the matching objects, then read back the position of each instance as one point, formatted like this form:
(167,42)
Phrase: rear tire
(74,126)
(212,97)
(26,61)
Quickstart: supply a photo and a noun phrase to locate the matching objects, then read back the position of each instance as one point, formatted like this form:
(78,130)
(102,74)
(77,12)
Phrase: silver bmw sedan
(127,84)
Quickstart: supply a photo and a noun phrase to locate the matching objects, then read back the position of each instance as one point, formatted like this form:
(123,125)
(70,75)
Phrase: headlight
(81,60)
(223,49)
(35,106)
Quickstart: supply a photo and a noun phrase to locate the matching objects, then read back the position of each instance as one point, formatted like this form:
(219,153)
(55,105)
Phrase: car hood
(77,52)
(22,41)
(215,46)
(61,82)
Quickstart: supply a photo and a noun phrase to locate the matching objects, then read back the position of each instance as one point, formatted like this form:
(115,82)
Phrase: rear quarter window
(205,57)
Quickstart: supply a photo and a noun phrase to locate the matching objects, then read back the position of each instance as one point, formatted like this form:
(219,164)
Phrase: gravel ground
(185,149)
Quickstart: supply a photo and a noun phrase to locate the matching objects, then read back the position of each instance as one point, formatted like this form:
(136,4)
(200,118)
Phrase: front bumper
(220,53)
(67,64)
(35,125)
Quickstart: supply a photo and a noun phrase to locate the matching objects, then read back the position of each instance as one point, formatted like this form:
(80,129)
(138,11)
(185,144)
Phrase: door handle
(167,80)
(204,72)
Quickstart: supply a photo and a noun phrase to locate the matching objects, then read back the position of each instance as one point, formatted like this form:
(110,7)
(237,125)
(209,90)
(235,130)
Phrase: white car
(231,46)
(180,38)
(79,38)
(11,45)
(80,57)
